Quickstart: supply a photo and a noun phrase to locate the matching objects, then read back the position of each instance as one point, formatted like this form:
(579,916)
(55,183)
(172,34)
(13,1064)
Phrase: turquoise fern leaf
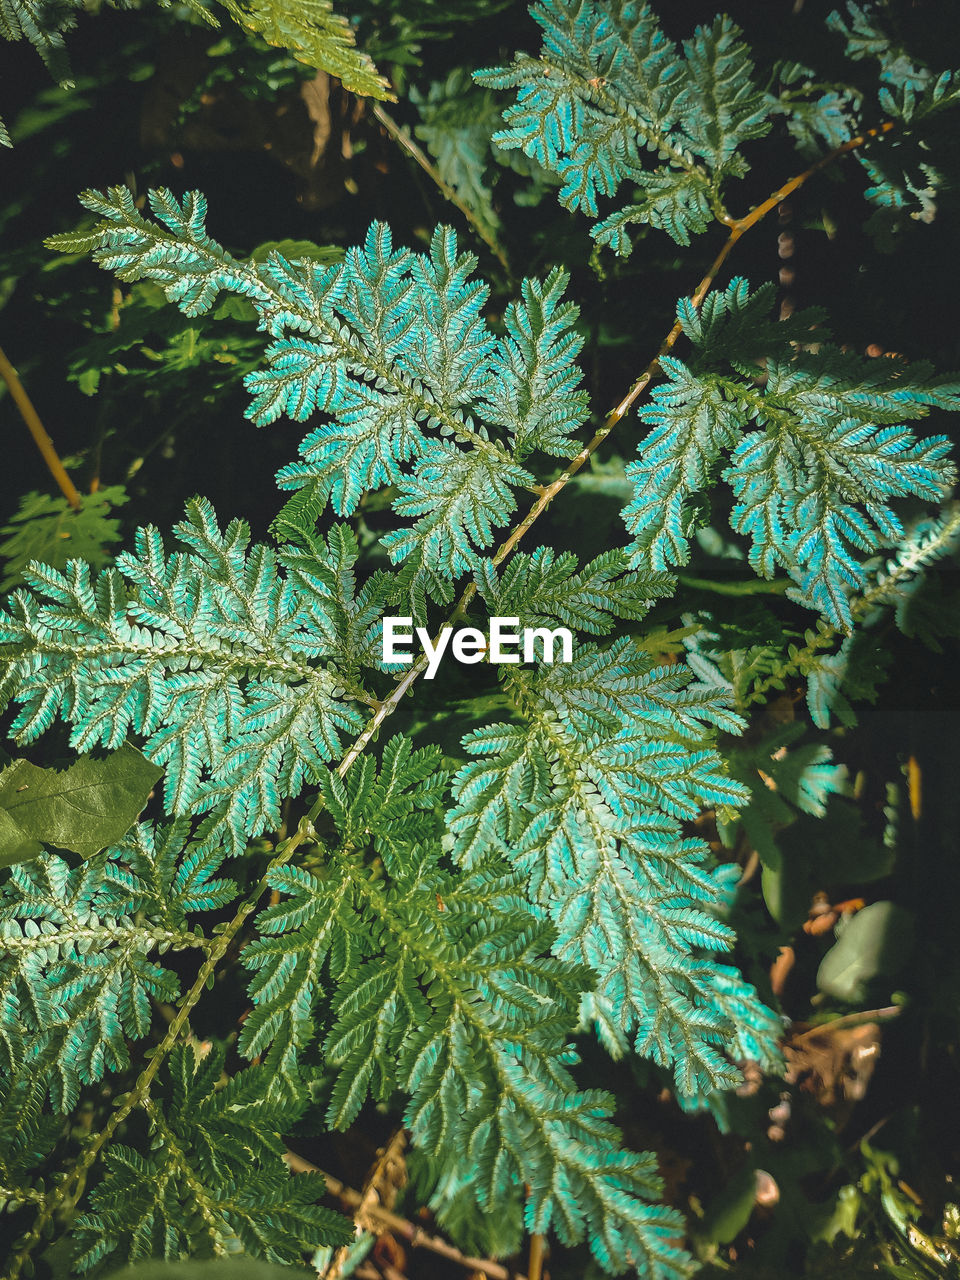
(535,391)
(209,654)
(347,616)
(607,87)
(393,346)
(459,499)
(815,482)
(730,110)
(905,179)
(584,800)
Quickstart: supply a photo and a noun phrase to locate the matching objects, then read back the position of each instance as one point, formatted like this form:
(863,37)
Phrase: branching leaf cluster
(437,940)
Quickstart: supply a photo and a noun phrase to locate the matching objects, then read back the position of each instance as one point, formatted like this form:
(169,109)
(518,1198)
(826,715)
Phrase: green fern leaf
(77,971)
(209,654)
(443,989)
(50,530)
(312,33)
(609,86)
(815,481)
(214,1182)
(547,588)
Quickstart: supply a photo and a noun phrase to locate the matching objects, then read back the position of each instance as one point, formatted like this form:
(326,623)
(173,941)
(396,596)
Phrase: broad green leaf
(298,251)
(874,944)
(15,846)
(730,1212)
(239,1268)
(84,808)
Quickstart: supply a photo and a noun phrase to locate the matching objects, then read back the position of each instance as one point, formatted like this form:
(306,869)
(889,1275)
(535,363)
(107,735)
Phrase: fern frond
(77,972)
(28,1132)
(49,529)
(309,30)
(905,179)
(730,110)
(392,346)
(214,1182)
(548,588)
(42,23)
(457,121)
(209,654)
(443,989)
(538,396)
(348,617)
(460,499)
(313,33)
(607,87)
(583,800)
(814,484)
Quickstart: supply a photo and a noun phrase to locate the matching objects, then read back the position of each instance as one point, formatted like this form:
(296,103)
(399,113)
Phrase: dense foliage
(612,940)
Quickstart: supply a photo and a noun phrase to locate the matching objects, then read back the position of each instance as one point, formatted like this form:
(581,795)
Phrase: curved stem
(535,1262)
(405,140)
(753,217)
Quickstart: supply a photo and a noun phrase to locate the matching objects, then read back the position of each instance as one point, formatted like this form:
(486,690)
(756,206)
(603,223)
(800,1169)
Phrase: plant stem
(535,1262)
(405,140)
(127,1103)
(741,587)
(37,430)
(415,1236)
(850,1020)
(388,1156)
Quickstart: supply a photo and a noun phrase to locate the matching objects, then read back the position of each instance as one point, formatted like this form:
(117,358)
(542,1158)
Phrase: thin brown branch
(793,184)
(404,139)
(535,1262)
(414,1235)
(391,1273)
(38,431)
(371,1197)
(850,1020)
